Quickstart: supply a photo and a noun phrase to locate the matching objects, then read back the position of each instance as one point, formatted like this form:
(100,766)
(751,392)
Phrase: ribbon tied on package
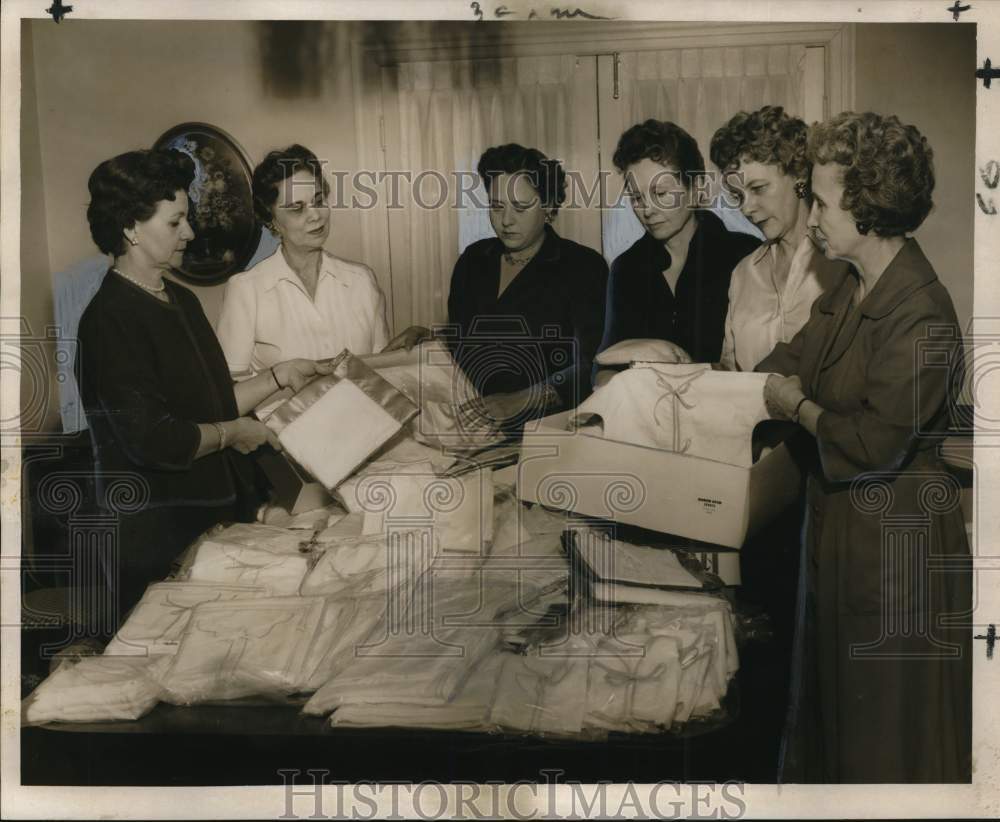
(339,420)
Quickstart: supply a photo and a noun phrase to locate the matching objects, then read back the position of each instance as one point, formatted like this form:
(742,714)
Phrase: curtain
(448,114)
(700,89)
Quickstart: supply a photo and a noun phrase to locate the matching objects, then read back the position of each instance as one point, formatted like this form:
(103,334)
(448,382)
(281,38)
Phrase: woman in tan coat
(882,684)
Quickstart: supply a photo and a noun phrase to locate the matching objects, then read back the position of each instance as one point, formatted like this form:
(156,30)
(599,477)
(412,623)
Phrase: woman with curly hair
(302,301)
(883,685)
(526,307)
(164,415)
(668,292)
(762,156)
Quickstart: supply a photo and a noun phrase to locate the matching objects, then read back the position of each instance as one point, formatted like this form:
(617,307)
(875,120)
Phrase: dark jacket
(884,659)
(543,329)
(640,304)
(149,372)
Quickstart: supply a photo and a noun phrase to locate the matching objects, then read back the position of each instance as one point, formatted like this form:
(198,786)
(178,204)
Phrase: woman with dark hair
(672,285)
(883,690)
(527,307)
(301,301)
(762,156)
(166,421)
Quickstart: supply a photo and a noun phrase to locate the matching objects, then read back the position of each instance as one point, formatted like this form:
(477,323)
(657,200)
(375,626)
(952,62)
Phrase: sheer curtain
(700,89)
(448,114)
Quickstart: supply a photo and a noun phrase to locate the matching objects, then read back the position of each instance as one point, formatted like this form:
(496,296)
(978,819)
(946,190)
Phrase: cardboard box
(293,489)
(699,499)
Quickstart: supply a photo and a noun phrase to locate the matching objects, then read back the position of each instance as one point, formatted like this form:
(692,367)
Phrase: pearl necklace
(152,289)
(512,260)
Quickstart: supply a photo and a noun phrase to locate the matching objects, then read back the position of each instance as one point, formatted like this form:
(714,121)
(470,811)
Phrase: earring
(863,228)
(132,240)
(800,189)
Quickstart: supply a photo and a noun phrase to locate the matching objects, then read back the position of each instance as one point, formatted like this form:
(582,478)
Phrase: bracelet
(795,416)
(222,434)
(275,378)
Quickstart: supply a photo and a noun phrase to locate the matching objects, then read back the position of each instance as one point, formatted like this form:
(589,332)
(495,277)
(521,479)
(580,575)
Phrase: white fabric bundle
(688,409)
(95,689)
(635,692)
(243,647)
(457,511)
(467,711)
(421,653)
(347,622)
(156,624)
(279,570)
(369,564)
(541,694)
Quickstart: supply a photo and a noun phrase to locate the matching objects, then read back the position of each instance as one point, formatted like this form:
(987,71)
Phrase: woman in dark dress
(527,307)
(883,686)
(170,439)
(672,285)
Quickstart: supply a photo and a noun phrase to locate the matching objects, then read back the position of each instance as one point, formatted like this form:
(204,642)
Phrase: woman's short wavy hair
(126,189)
(767,135)
(277,167)
(546,176)
(662,142)
(887,169)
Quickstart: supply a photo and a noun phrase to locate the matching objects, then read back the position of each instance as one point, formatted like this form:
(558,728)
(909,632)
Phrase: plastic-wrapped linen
(242,648)
(280,571)
(156,624)
(346,625)
(468,710)
(541,694)
(354,566)
(457,511)
(95,689)
(433,635)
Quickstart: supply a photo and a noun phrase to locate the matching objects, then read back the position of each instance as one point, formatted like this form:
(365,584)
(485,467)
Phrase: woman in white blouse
(762,156)
(302,301)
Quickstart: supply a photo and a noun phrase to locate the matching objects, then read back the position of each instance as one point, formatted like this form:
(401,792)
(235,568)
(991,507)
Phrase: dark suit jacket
(641,305)
(543,329)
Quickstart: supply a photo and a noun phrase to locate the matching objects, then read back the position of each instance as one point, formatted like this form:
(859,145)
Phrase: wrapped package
(422,651)
(339,420)
(242,648)
(687,409)
(347,623)
(363,565)
(156,624)
(279,570)
(457,511)
(541,694)
(468,710)
(429,376)
(95,689)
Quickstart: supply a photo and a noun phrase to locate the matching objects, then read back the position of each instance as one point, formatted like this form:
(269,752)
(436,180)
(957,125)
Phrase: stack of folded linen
(278,567)
(156,624)
(95,689)
(424,649)
(242,647)
(467,711)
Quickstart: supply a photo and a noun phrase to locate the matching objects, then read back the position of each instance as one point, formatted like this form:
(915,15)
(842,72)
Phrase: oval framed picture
(221,203)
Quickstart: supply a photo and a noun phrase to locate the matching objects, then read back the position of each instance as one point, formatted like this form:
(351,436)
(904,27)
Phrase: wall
(105,87)
(925,75)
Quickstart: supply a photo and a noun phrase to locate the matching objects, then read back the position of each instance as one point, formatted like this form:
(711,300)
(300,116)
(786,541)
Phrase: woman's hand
(782,396)
(493,411)
(246,435)
(295,374)
(414,335)
(628,351)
